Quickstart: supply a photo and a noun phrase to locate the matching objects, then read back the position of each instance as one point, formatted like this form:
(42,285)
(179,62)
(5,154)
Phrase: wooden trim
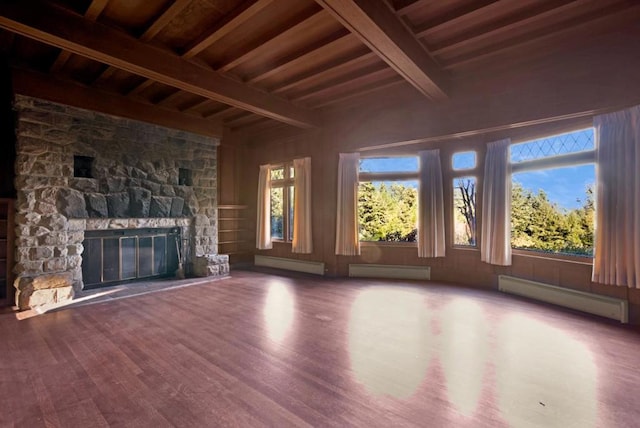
(378,27)
(58,27)
(65,92)
(481,131)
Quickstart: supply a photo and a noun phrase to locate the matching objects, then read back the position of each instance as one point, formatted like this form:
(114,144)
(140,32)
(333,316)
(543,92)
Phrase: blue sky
(564,186)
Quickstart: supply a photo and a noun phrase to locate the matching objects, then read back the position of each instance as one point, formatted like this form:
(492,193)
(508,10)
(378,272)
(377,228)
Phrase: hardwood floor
(265,350)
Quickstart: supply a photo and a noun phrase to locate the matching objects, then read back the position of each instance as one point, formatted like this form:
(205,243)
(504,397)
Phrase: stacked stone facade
(139,172)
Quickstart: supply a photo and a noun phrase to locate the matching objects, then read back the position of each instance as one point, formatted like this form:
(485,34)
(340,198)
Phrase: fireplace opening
(113,257)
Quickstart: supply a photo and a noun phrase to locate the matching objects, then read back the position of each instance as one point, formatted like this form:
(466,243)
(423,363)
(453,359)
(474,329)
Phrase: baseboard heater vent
(609,307)
(290,264)
(389,271)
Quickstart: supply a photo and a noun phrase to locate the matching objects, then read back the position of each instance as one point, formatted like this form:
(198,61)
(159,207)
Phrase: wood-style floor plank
(261,349)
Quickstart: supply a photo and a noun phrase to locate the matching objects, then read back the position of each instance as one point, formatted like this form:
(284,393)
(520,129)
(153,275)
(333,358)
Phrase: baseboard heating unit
(290,264)
(609,307)
(389,271)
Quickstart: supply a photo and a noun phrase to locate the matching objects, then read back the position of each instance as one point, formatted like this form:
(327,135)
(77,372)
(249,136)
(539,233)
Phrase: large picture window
(282,199)
(388,199)
(552,205)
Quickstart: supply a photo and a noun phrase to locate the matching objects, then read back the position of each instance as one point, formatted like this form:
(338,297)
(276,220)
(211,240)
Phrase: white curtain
(495,246)
(347,240)
(617,240)
(302,242)
(263,226)
(431,240)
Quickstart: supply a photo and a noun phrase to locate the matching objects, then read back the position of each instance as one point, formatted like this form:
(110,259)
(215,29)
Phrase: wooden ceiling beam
(93,12)
(406,7)
(34,84)
(318,54)
(303,20)
(162,21)
(196,105)
(502,29)
(458,16)
(301,57)
(563,32)
(377,25)
(330,73)
(59,27)
(361,91)
(236,18)
(346,85)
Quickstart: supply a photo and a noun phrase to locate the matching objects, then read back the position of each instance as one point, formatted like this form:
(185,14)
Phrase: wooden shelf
(232,207)
(6,241)
(232,218)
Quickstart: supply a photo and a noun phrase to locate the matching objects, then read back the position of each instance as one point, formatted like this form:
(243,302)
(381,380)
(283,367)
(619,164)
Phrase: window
(388,199)
(463,160)
(281,195)
(464,211)
(552,202)
(464,199)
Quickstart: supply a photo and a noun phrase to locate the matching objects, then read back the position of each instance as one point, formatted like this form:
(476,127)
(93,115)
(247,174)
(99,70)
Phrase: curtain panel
(617,240)
(263,225)
(495,245)
(302,239)
(347,240)
(431,237)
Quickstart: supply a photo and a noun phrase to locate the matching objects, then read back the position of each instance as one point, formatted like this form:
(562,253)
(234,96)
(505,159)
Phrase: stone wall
(137,170)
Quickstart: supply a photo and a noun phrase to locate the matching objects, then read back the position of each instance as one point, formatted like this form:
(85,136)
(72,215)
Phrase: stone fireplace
(81,174)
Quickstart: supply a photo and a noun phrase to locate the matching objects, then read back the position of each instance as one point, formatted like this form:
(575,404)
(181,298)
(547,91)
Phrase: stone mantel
(78,171)
(130,223)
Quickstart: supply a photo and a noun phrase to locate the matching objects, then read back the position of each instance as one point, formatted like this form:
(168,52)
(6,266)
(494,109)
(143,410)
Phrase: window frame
(470,173)
(285,184)
(585,157)
(369,177)
(454,175)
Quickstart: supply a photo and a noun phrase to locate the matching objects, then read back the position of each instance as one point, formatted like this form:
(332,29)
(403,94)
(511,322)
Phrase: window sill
(388,244)
(583,260)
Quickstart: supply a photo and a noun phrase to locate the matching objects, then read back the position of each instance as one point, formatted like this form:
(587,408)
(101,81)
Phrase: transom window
(388,199)
(282,198)
(463,160)
(552,202)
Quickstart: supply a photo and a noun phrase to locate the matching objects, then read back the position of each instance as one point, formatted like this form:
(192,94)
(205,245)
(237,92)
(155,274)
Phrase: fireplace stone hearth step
(211,265)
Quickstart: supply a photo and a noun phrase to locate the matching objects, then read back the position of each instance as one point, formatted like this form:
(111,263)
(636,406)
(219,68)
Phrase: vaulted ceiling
(208,64)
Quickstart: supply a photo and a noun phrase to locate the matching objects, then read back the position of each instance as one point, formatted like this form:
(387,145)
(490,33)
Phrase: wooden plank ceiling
(260,63)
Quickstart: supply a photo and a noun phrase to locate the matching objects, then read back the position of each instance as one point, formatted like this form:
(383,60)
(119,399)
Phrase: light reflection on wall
(278,311)
(463,353)
(389,335)
(545,377)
